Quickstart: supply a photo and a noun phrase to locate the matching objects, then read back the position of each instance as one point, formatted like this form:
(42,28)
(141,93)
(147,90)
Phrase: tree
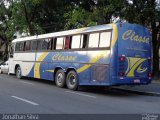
(92,12)
(5,29)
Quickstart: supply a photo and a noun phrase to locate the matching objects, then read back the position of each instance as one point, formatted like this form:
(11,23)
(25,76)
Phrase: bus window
(75,41)
(105,38)
(84,39)
(27,46)
(45,44)
(59,43)
(39,45)
(19,46)
(93,40)
(34,45)
(50,42)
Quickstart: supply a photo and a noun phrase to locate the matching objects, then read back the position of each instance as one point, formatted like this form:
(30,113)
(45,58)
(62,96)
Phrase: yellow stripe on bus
(37,65)
(133,68)
(52,71)
(114,34)
(94,60)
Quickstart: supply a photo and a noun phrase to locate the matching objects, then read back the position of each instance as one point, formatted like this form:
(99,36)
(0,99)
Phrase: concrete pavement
(150,89)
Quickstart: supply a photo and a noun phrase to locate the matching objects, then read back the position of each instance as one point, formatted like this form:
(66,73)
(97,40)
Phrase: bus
(103,55)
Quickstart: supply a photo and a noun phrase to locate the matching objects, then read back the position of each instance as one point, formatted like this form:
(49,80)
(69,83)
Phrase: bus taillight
(121,65)
(120,73)
(121,58)
(149,75)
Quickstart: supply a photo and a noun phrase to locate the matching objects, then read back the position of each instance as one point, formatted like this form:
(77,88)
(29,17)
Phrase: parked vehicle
(104,55)
(4,67)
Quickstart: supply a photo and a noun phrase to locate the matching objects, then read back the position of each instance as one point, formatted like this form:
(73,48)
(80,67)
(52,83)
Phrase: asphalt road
(36,96)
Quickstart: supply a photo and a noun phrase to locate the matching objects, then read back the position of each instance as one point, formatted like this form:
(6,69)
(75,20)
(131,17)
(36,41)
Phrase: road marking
(27,82)
(24,100)
(81,94)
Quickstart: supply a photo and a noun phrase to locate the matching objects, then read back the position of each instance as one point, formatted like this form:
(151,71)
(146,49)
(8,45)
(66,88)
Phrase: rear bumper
(130,81)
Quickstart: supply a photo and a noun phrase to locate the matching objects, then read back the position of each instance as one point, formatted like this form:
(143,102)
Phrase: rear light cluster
(149,68)
(121,65)
(149,75)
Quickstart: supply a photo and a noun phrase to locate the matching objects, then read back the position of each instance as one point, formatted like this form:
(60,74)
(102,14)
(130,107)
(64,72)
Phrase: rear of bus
(134,55)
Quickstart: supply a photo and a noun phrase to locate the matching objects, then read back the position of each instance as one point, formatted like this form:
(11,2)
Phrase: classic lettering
(131,35)
(60,57)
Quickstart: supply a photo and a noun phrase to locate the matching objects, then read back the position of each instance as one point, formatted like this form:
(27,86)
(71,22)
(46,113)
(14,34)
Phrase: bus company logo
(131,35)
(140,69)
(60,57)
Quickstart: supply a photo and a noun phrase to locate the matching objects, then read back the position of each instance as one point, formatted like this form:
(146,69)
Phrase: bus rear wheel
(18,72)
(72,80)
(60,78)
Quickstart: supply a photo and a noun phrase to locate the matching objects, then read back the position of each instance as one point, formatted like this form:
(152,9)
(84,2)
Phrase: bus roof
(68,32)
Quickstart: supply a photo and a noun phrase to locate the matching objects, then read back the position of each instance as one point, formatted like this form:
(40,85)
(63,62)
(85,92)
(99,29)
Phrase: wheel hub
(72,80)
(60,78)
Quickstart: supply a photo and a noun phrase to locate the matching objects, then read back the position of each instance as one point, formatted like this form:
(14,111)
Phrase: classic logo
(59,56)
(132,35)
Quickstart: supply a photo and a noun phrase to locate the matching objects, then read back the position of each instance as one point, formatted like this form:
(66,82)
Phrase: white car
(4,67)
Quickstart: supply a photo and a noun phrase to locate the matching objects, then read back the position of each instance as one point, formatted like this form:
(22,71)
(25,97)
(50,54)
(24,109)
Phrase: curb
(138,92)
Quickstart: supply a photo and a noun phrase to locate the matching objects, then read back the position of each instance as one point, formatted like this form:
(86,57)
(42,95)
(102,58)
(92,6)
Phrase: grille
(99,73)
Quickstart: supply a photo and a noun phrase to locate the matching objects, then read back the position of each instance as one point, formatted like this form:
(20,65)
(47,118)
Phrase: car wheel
(72,80)
(60,78)
(18,72)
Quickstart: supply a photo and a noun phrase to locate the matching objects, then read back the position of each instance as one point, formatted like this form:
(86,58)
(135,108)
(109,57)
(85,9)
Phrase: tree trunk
(155,51)
(31,31)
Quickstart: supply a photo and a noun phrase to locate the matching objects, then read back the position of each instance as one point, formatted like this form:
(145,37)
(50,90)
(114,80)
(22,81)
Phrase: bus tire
(19,72)
(72,80)
(60,78)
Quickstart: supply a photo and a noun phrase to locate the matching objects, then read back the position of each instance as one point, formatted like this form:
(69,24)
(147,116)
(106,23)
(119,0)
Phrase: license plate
(136,81)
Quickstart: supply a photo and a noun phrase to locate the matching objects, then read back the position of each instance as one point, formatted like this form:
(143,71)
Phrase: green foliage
(78,18)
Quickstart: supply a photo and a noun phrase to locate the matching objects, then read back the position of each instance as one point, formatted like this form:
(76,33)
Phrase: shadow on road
(104,91)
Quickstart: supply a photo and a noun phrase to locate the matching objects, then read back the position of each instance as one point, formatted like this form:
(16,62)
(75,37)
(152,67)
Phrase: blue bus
(103,55)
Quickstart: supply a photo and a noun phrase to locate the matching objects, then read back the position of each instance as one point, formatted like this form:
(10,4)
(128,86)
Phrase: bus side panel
(87,64)
(25,61)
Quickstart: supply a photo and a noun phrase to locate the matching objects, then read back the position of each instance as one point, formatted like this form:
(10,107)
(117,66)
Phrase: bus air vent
(99,72)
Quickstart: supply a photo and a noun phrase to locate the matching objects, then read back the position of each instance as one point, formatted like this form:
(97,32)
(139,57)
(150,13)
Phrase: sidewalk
(151,89)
